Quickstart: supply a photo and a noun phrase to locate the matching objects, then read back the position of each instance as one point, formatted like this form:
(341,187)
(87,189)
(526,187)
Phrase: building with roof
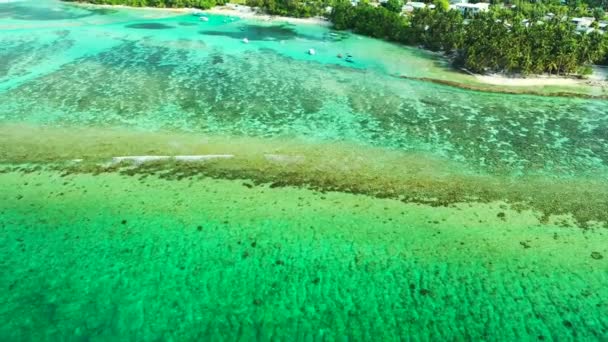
(466,8)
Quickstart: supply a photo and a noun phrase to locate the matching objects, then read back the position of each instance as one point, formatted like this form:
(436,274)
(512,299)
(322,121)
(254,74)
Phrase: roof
(416,4)
(479,5)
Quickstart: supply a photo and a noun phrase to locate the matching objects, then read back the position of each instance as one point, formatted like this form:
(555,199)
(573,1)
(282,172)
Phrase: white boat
(245,40)
(204,19)
(312,52)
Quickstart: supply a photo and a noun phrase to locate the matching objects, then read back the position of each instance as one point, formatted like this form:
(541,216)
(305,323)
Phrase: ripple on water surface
(192,85)
(325,264)
(349,203)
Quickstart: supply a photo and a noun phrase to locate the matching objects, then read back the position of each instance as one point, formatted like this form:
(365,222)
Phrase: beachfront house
(466,8)
(583,24)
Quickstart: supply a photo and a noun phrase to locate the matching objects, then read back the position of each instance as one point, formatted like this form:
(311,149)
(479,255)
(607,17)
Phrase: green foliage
(394,5)
(291,8)
(203,4)
(342,15)
(599,13)
(441,5)
(585,70)
(495,41)
(377,22)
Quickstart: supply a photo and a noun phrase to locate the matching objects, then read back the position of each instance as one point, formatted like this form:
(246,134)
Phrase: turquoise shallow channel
(162,180)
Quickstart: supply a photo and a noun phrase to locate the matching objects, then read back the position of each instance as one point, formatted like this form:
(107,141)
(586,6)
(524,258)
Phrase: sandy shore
(250,13)
(158,9)
(234,10)
(599,78)
(521,89)
(528,81)
(596,79)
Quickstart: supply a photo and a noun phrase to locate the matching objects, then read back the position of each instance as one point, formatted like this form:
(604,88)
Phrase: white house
(465,8)
(583,24)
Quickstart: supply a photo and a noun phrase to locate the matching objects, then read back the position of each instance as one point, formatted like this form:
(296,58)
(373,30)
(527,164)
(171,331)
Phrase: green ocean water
(293,197)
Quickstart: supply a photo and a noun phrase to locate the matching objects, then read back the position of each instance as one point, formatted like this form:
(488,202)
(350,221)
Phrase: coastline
(234,10)
(510,88)
(598,78)
(536,80)
(495,83)
(182,175)
(181,10)
(246,12)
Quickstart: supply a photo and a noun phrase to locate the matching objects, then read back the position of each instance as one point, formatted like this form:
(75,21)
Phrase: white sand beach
(598,78)
(240,11)
(247,12)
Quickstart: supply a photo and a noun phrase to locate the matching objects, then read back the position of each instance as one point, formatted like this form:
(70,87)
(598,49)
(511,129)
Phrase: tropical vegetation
(526,39)
(522,37)
(291,8)
(203,4)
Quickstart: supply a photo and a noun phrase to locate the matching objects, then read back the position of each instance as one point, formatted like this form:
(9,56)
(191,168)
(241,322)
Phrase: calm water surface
(340,201)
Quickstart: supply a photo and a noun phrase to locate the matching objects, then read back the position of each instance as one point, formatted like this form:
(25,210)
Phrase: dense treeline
(291,8)
(203,4)
(521,40)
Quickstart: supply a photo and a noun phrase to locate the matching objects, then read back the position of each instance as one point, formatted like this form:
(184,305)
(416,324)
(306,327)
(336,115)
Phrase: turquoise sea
(162,180)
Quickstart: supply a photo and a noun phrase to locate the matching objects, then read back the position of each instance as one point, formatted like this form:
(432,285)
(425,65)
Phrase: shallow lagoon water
(356,204)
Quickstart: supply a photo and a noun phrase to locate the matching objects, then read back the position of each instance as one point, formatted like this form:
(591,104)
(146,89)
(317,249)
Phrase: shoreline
(246,12)
(183,10)
(509,89)
(509,84)
(535,80)
(234,10)
(598,78)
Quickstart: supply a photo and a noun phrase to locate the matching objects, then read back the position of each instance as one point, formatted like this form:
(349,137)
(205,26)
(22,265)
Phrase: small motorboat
(245,40)
(312,52)
(205,19)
